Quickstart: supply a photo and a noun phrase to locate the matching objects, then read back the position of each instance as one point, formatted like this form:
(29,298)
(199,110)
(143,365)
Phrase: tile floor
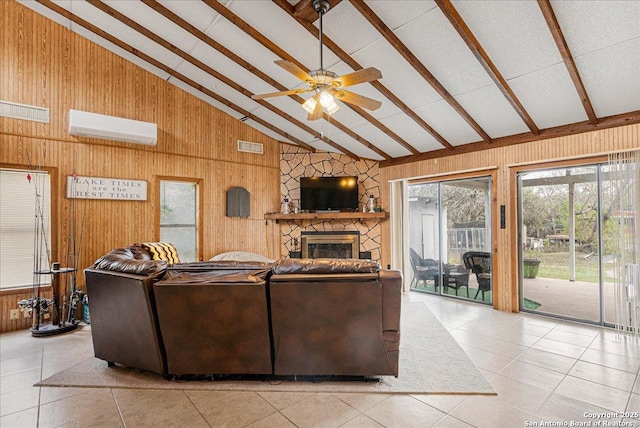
(543,370)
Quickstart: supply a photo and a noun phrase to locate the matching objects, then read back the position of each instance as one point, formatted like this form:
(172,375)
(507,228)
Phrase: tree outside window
(178,217)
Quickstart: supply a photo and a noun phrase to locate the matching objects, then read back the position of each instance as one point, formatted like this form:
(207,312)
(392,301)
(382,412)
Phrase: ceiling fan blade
(317,111)
(278,94)
(296,71)
(360,76)
(355,99)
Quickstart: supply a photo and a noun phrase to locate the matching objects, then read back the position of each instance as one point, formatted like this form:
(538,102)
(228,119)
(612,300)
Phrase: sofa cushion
(220,265)
(244,256)
(212,278)
(122,260)
(324,266)
(162,251)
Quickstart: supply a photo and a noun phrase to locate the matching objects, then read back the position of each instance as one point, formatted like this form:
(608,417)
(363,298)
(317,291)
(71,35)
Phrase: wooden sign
(238,203)
(106,188)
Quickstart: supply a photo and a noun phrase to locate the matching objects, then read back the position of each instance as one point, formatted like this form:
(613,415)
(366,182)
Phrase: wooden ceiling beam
(128,48)
(623,119)
(561,43)
(260,38)
(284,5)
(305,11)
(404,51)
(156,6)
(204,67)
(481,55)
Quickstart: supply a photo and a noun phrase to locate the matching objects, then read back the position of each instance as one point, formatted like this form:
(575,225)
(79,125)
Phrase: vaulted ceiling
(457,76)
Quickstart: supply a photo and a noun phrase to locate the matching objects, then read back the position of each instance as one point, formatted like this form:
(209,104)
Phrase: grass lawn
(556,265)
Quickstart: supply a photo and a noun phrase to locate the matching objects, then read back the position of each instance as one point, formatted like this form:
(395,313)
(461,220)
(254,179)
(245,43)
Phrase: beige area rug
(431,362)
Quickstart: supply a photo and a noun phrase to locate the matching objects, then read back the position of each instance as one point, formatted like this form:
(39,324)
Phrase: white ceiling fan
(327,85)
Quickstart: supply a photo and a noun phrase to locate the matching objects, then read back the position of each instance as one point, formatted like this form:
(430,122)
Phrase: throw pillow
(162,251)
(241,256)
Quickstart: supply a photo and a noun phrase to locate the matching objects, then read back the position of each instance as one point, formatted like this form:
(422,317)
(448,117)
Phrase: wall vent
(24,112)
(249,147)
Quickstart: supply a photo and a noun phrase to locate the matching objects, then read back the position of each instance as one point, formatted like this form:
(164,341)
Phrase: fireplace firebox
(332,245)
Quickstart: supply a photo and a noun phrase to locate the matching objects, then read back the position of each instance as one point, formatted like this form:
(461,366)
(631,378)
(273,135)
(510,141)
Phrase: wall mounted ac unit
(95,125)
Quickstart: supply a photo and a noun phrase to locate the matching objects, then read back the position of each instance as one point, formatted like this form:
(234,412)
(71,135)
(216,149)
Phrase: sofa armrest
(124,325)
(123,260)
(391,299)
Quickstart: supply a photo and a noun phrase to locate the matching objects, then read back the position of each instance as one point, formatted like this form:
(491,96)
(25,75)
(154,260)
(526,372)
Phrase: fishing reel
(41,304)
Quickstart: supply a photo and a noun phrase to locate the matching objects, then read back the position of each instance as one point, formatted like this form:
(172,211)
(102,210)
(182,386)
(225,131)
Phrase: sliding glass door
(568,223)
(424,236)
(450,238)
(559,226)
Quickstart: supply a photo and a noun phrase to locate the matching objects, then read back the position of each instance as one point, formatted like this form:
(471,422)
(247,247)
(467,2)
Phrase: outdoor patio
(573,299)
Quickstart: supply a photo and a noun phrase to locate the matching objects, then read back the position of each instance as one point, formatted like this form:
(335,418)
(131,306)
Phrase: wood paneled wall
(501,163)
(44,64)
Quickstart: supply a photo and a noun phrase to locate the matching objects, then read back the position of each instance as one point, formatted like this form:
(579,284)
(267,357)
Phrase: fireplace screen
(332,245)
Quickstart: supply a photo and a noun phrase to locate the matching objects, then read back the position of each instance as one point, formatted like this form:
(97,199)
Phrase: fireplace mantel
(327,216)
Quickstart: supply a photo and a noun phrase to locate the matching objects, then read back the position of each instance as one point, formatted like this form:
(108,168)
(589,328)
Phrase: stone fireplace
(331,244)
(296,162)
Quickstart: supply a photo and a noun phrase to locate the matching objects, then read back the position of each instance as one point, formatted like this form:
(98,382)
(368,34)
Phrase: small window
(25,227)
(179,217)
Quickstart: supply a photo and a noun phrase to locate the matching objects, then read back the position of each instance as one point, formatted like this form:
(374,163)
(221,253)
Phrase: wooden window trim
(199,207)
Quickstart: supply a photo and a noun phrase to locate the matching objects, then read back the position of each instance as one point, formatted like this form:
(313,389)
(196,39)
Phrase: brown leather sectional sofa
(316,317)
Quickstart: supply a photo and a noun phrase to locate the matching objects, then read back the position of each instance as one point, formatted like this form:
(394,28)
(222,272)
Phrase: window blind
(25,228)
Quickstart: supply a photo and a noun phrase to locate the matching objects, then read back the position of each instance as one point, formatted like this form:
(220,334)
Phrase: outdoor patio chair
(423,269)
(479,263)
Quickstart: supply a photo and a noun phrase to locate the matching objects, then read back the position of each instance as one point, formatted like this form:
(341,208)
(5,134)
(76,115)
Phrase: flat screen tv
(329,193)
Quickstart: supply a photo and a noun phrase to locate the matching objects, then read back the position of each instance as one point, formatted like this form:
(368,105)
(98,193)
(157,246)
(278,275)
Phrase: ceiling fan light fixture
(310,105)
(326,85)
(332,107)
(326,99)
(328,102)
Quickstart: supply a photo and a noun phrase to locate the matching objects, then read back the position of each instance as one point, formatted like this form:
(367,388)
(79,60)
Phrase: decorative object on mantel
(238,202)
(372,204)
(293,207)
(285,206)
